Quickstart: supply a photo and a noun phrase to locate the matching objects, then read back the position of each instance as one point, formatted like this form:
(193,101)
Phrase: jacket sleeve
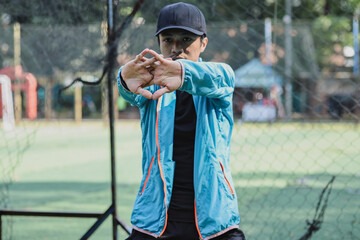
(210,79)
(132,98)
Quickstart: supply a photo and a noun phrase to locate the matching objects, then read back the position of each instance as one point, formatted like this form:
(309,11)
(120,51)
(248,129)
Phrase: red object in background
(268,102)
(28,86)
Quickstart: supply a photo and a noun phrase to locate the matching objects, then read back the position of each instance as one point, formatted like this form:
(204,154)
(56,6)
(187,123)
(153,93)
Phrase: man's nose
(177,48)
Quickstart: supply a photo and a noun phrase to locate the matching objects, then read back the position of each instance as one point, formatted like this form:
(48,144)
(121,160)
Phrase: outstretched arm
(214,80)
(210,79)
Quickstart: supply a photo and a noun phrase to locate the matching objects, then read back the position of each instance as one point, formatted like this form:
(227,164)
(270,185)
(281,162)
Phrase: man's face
(181,44)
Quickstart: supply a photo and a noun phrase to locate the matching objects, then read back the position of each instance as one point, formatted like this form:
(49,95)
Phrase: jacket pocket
(147,177)
(227,181)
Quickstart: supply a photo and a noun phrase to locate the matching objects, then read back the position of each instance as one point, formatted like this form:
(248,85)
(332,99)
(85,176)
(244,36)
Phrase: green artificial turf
(278,170)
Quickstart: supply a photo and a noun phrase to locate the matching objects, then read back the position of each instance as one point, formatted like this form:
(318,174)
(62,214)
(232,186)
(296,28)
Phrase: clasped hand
(142,72)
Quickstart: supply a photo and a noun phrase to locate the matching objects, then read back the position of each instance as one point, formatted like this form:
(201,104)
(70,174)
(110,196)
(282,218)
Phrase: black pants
(185,231)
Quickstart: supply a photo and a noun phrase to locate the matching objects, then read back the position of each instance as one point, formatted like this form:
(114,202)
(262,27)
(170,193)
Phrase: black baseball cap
(181,16)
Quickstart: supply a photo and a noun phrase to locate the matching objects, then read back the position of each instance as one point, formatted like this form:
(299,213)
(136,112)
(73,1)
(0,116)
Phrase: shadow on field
(282,204)
(69,196)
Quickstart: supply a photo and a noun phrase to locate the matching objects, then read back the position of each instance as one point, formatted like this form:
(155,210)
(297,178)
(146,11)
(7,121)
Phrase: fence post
(288,60)
(48,98)
(104,103)
(116,96)
(111,61)
(18,73)
(78,103)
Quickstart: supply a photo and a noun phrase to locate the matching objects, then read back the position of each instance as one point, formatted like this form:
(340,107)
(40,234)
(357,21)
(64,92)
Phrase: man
(186,118)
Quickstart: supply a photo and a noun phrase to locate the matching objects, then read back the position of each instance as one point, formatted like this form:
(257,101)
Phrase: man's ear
(204,43)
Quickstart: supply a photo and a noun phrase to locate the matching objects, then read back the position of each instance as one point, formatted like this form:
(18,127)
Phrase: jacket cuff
(182,74)
(123,83)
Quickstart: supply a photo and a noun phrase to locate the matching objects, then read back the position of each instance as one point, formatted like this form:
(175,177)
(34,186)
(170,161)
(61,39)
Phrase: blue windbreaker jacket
(216,209)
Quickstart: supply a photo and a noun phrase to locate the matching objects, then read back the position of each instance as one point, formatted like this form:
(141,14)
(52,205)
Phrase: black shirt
(182,200)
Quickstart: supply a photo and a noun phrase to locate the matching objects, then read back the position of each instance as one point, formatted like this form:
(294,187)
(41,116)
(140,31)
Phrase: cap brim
(180,27)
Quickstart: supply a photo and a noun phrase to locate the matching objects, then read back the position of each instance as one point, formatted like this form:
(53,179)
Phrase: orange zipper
(159,163)
(147,177)
(196,221)
(222,168)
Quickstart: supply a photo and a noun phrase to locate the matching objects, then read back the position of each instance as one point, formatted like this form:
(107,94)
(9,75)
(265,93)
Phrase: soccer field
(279,171)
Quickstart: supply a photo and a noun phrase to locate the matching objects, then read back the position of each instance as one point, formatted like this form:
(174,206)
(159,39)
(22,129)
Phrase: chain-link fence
(296,100)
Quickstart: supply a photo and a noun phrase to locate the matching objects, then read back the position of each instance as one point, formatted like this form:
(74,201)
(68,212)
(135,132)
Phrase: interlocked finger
(160,92)
(158,57)
(144,92)
(140,57)
(148,63)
